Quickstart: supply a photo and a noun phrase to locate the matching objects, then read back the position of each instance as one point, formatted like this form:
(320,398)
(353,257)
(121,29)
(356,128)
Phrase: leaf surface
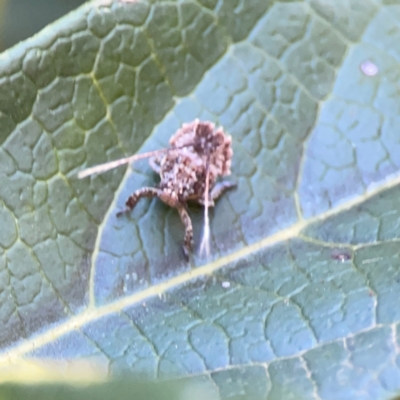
(302,290)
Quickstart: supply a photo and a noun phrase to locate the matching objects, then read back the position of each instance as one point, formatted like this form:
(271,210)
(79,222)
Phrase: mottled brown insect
(198,155)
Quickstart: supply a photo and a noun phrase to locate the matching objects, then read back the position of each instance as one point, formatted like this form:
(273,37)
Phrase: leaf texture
(300,297)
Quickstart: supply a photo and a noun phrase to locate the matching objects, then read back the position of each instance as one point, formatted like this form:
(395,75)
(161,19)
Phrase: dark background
(20,19)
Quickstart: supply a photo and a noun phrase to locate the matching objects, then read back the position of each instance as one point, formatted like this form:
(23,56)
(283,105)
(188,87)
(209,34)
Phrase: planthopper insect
(198,154)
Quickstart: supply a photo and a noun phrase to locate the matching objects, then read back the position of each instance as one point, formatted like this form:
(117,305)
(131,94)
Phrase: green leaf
(121,389)
(301,295)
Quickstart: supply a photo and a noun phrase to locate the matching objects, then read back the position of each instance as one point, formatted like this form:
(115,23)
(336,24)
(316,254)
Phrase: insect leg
(187,222)
(136,196)
(154,163)
(220,188)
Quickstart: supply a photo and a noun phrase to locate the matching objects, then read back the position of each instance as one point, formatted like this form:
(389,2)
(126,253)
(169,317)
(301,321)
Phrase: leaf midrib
(93,313)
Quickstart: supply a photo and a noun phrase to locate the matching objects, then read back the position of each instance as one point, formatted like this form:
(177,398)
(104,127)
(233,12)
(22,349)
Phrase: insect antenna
(101,168)
(205,241)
